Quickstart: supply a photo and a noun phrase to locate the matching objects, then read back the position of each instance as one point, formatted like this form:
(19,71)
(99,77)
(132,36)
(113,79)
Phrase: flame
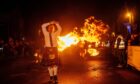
(92,51)
(35,54)
(93,29)
(91,32)
(67,41)
(38,56)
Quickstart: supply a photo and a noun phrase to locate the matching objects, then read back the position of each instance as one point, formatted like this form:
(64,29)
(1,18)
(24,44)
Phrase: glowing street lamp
(129,16)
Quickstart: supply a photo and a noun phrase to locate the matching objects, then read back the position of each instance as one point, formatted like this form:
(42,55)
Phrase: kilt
(50,56)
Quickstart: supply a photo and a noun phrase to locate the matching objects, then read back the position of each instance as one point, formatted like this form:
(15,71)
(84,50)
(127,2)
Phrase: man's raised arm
(44,27)
(59,28)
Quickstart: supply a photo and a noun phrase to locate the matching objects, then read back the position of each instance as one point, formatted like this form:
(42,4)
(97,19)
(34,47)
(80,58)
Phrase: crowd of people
(11,48)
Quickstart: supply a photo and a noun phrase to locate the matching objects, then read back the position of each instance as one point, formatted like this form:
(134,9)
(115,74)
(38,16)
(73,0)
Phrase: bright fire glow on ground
(94,70)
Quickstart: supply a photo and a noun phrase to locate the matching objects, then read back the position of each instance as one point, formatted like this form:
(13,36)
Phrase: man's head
(51,28)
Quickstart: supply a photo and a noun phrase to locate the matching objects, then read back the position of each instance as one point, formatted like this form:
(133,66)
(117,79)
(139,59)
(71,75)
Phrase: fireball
(67,41)
(90,32)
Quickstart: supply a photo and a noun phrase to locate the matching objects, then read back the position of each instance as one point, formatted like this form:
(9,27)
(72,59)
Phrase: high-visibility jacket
(122,43)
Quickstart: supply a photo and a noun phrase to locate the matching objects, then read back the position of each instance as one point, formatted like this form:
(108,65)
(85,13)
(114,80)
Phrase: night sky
(26,16)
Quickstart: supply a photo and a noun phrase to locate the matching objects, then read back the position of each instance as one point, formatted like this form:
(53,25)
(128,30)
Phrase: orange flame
(91,32)
(93,29)
(92,51)
(38,56)
(67,41)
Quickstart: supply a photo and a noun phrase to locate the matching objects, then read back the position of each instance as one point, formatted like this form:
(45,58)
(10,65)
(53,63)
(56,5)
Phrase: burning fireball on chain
(90,35)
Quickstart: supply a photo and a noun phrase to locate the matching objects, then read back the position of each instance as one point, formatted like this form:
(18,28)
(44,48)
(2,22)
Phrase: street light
(129,15)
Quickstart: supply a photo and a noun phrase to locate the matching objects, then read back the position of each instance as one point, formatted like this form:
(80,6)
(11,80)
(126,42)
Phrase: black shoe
(55,80)
(51,77)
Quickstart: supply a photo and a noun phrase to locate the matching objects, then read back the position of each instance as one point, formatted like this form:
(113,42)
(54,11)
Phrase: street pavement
(72,70)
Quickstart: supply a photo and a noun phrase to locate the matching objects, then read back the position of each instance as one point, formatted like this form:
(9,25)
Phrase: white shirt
(53,34)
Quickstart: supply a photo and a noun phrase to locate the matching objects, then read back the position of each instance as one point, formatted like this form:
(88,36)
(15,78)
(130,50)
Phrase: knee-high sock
(50,69)
(55,69)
